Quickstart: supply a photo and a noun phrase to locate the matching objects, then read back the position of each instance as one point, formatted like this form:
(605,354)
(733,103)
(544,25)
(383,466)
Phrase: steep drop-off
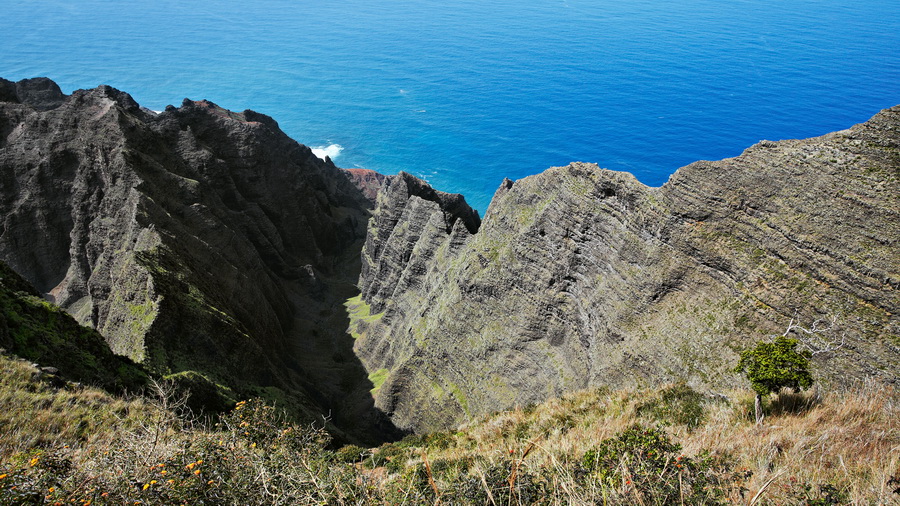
(36,330)
(218,252)
(201,242)
(581,276)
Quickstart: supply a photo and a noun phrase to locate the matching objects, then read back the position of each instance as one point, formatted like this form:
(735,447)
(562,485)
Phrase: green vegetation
(678,404)
(591,447)
(776,365)
(773,366)
(32,328)
(360,315)
(377,378)
(644,458)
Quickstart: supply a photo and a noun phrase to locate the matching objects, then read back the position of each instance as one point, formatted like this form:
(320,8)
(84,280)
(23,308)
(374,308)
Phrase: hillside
(222,255)
(581,277)
(33,329)
(669,446)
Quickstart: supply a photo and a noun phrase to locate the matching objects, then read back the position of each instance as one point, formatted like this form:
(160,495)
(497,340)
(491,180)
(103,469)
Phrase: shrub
(645,461)
(678,404)
(776,365)
(773,366)
(351,454)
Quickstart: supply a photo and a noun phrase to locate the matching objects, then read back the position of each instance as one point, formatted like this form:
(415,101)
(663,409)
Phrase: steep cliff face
(202,242)
(209,246)
(580,276)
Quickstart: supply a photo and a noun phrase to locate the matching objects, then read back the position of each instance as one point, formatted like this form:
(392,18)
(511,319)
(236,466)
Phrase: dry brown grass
(845,441)
(848,439)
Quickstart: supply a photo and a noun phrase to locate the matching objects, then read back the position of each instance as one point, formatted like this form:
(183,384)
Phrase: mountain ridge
(211,247)
(582,277)
(201,242)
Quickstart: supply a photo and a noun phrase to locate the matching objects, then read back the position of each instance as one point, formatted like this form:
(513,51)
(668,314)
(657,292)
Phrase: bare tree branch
(816,337)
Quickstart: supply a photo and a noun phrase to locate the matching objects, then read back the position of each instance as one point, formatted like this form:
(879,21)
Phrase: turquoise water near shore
(465,93)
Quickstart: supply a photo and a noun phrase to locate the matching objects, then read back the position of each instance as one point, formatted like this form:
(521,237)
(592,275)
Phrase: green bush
(351,454)
(439,440)
(678,404)
(645,460)
(776,365)
(388,455)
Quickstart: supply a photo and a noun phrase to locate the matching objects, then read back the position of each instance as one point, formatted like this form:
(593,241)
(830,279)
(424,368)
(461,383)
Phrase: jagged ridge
(581,276)
(201,242)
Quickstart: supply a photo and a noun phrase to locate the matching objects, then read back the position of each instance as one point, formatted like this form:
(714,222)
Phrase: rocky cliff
(581,277)
(218,252)
(202,242)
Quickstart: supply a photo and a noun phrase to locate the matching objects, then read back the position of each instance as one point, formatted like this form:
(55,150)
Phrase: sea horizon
(464,94)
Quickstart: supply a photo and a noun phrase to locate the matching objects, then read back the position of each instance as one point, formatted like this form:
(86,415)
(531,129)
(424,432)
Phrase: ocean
(464,93)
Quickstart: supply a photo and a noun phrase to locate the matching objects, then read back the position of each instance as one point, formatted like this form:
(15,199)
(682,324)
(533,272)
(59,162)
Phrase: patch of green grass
(377,378)
(360,315)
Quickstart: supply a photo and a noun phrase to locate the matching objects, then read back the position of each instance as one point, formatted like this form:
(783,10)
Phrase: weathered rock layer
(581,277)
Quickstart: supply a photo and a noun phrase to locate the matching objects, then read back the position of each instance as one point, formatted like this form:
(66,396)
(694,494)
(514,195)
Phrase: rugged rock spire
(201,242)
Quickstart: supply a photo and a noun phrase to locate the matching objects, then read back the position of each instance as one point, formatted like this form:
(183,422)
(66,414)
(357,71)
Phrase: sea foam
(331,151)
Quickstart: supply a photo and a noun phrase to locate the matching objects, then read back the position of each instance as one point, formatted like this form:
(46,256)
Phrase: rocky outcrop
(40,93)
(581,277)
(368,182)
(202,242)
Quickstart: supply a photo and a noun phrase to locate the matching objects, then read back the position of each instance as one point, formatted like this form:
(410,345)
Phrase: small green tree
(773,366)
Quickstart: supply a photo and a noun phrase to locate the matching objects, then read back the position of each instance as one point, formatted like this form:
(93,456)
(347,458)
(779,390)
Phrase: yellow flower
(3,476)
(146,486)
(34,461)
(197,471)
(164,472)
(51,489)
(153,482)
(191,465)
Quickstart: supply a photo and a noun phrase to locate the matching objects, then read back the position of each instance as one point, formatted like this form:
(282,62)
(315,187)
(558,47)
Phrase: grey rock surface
(581,277)
(202,242)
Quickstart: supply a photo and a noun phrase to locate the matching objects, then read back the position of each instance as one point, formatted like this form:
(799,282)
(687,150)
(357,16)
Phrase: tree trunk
(759,411)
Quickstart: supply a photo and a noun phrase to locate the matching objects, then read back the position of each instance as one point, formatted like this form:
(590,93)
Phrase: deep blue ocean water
(465,93)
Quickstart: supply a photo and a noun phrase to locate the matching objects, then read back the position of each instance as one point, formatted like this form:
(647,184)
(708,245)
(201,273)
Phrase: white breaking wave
(331,151)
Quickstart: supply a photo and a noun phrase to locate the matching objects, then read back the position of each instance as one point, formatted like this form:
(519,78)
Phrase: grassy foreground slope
(671,446)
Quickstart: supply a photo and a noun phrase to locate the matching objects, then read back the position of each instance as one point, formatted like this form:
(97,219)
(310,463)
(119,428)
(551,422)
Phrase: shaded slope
(38,331)
(202,242)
